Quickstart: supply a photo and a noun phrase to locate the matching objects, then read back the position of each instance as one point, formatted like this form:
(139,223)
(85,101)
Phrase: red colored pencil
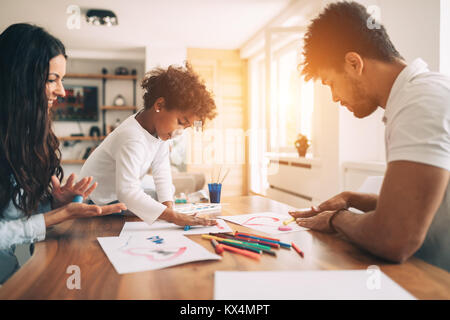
(243,252)
(300,252)
(217,247)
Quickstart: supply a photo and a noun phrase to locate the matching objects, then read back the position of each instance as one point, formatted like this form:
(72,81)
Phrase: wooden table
(75,243)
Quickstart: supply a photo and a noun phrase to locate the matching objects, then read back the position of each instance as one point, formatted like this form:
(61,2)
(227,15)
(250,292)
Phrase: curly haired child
(173,99)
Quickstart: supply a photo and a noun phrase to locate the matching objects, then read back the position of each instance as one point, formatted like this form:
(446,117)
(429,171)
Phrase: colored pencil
(270,244)
(241,251)
(282,244)
(228,171)
(217,247)
(255,235)
(207,236)
(264,249)
(257,246)
(258,238)
(286,222)
(254,241)
(300,252)
(253,245)
(240,246)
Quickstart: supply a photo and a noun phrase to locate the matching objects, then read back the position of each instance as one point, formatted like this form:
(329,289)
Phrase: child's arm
(129,159)
(162,174)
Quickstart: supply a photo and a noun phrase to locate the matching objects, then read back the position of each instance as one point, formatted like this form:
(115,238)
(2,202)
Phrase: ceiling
(219,24)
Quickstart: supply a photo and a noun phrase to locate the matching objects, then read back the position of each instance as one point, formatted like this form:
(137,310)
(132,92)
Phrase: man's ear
(354,64)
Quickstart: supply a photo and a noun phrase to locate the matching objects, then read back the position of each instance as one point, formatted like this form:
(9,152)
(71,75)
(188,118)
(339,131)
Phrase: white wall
(444,66)
(158,56)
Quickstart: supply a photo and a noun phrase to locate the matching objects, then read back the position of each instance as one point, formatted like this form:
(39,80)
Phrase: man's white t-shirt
(417,119)
(120,163)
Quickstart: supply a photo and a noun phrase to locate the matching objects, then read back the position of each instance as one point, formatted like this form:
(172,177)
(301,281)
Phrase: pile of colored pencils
(246,244)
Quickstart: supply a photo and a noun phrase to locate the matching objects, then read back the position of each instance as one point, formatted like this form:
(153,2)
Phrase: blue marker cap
(186,228)
(78,199)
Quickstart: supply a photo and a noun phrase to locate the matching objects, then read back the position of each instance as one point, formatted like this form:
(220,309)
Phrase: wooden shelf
(117,108)
(80,138)
(73,161)
(100,76)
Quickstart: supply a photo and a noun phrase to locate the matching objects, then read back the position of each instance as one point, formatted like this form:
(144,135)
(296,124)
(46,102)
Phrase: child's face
(167,122)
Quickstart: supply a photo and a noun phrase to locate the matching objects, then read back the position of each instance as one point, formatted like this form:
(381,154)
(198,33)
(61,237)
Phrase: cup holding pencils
(215,188)
(214,192)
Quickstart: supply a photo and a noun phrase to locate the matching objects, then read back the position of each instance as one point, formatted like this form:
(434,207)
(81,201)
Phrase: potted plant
(302,144)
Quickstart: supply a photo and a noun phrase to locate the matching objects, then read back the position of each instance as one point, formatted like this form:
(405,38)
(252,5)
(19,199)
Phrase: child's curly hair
(182,90)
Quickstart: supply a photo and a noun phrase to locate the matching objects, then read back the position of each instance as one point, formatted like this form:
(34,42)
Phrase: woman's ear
(354,64)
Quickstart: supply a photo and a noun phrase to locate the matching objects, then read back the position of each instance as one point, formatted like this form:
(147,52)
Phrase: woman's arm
(33,229)
(21,231)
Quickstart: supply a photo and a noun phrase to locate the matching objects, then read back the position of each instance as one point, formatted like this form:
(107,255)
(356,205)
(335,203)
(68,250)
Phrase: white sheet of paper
(199,208)
(267,222)
(135,254)
(163,227)
(307,285)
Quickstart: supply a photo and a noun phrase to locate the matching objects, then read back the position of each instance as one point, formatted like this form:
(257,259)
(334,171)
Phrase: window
(275,130)
(292,100)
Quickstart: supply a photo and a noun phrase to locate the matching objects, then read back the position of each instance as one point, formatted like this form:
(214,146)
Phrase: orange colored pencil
(300,252)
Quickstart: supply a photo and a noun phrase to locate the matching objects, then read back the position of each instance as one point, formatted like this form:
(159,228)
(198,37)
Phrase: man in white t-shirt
(411,215)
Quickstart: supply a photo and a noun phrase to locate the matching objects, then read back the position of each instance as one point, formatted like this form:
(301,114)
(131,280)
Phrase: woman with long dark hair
(32,67)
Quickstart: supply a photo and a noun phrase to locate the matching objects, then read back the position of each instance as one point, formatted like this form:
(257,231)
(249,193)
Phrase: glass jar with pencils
(214,192)
(215,188)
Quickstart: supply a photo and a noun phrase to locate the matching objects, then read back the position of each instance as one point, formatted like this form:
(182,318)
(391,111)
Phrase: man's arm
(411,194)
(362,201)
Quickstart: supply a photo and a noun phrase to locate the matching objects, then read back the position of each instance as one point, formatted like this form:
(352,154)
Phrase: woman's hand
(75,210)
(63,195)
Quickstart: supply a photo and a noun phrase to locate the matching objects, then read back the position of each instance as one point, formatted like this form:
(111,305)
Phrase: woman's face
(54,87)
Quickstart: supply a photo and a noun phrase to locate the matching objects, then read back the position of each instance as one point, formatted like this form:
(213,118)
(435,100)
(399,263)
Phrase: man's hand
(318,221)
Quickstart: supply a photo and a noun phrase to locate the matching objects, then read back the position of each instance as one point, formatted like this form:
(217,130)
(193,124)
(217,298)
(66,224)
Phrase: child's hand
(192,220)
(186,220)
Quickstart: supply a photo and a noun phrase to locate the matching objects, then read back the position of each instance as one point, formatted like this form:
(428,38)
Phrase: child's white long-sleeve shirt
(120,163)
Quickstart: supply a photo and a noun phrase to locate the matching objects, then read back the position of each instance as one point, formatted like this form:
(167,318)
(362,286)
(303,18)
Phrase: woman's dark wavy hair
(340,28)
(182,90)
(29,150)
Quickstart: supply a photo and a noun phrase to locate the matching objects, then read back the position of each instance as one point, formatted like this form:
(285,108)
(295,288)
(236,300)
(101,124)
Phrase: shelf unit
(73,161)
(104,108)
(81,138)
(104,78)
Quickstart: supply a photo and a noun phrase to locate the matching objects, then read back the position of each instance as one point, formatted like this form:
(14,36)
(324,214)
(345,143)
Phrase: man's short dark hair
(343,27)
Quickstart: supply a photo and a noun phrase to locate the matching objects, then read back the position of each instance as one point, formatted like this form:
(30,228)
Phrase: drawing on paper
(267,222)
(165,254)
(261,221)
